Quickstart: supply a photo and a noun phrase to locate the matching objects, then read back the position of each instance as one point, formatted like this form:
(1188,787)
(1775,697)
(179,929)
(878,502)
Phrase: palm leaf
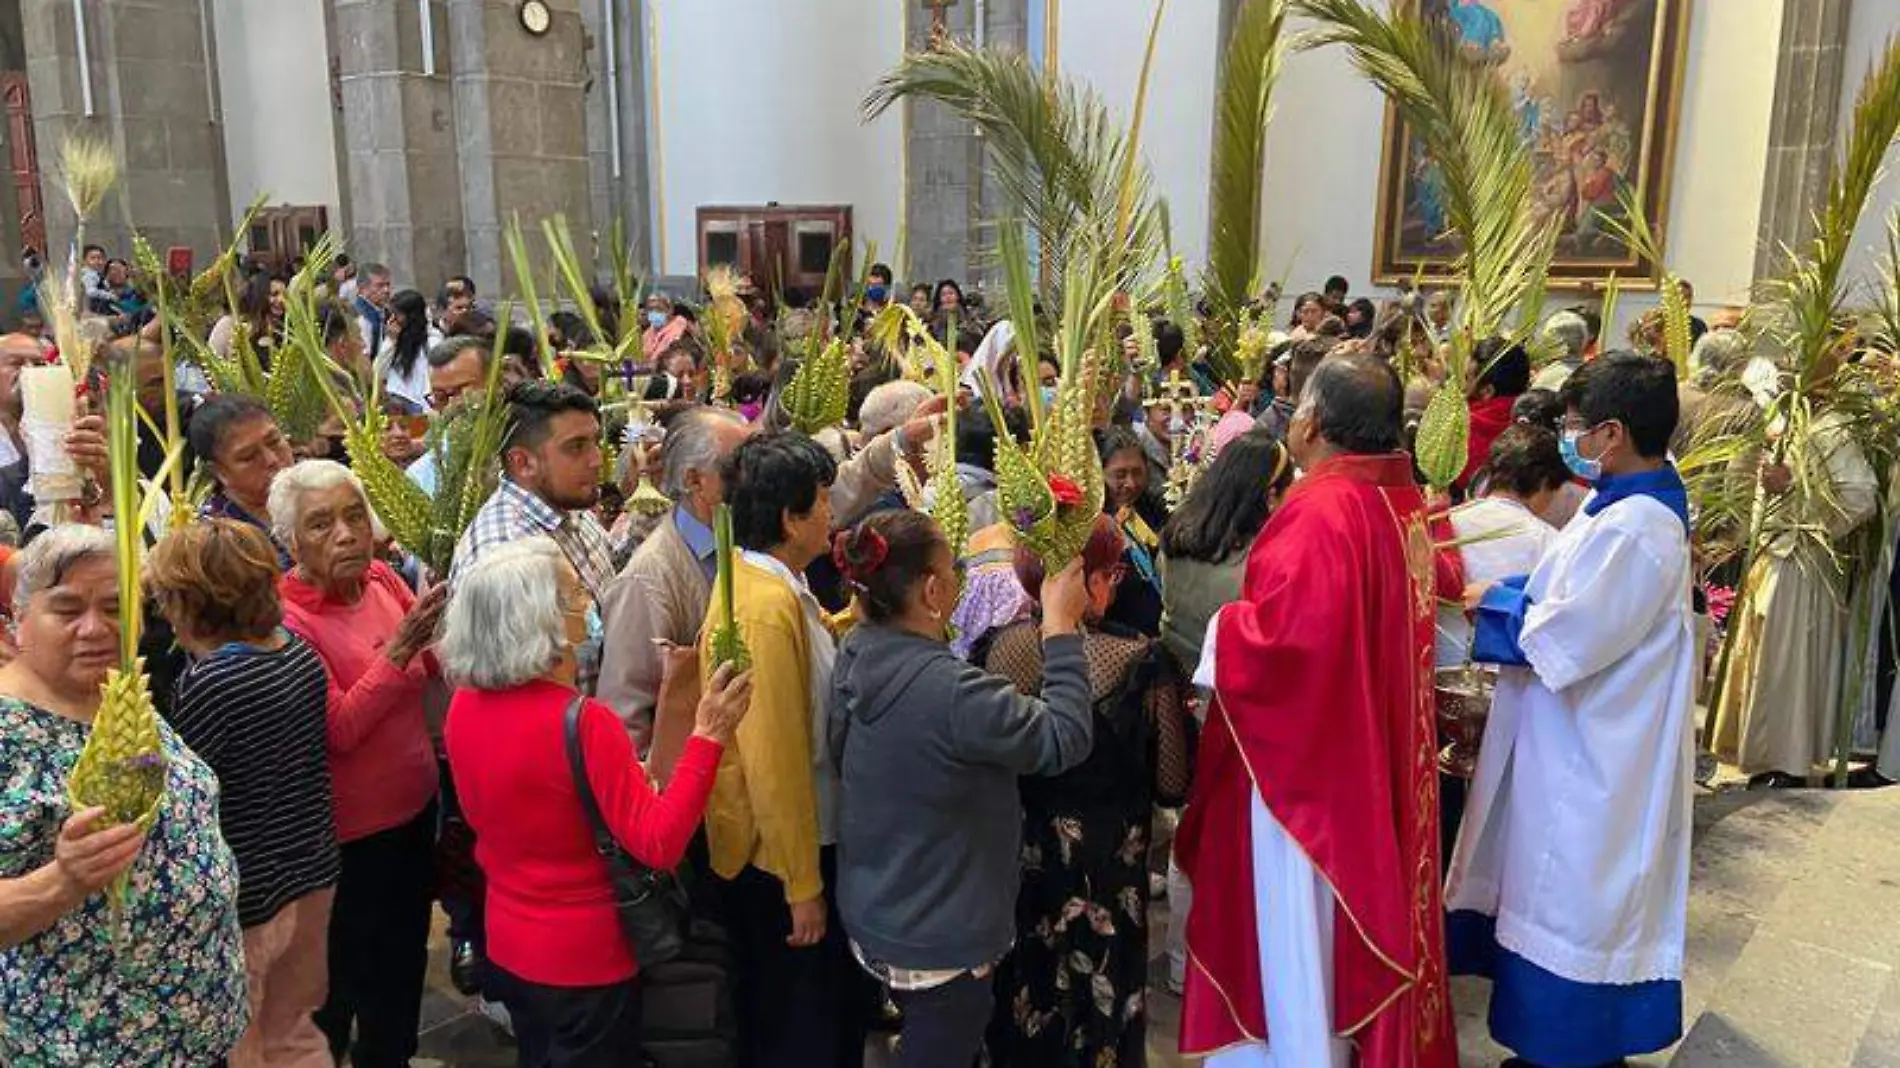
(1461,113)
(1243,107)
(1055,151)
(1635,230)
(1801,314)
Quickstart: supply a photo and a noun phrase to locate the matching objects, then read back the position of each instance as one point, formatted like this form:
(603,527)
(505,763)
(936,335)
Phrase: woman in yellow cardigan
(770,822)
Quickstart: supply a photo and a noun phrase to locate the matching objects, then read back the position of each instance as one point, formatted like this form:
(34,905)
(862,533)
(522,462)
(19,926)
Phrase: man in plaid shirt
(550,484)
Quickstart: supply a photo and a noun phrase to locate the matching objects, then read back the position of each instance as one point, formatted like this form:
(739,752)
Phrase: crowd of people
(930,798)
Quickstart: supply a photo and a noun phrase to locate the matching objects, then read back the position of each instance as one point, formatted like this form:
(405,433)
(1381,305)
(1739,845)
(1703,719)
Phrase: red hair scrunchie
(871,548)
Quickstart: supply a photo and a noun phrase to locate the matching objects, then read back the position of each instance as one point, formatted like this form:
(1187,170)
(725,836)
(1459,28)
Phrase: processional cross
(939,21)
(1181,398)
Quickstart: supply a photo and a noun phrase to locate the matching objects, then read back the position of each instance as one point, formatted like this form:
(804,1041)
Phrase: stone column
(947,199)
(521,129)
(1804,127)
(403,196)
(616,64)
(152,100)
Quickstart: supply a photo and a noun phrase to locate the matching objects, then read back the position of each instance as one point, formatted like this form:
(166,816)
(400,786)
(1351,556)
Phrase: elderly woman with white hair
(555,951)
(372,634)
(160,983)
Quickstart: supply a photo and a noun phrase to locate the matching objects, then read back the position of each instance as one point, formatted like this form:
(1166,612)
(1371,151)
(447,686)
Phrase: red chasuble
(1323,704)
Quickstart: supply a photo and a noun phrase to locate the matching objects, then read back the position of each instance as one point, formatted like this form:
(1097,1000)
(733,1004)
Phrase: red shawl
(1323,704)
(1489,418)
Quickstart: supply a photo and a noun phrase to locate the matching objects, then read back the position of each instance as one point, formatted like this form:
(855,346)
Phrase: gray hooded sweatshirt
(928,749)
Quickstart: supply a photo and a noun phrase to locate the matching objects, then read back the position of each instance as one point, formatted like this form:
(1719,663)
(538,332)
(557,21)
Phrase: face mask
(876,294)
(1588,470)
(656,319)
(1048,396)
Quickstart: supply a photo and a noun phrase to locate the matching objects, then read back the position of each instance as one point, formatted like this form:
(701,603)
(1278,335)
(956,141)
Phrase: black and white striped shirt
(259,718)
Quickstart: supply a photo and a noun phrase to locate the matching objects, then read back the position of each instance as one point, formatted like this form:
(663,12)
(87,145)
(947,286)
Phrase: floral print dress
(1073,992)
(169,990)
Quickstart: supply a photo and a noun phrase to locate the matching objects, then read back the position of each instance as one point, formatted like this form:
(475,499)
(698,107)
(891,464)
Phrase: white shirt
(414,386)
(1576,836)
(1506,539)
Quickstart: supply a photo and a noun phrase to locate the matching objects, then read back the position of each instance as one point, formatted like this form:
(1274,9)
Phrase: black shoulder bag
(652,907)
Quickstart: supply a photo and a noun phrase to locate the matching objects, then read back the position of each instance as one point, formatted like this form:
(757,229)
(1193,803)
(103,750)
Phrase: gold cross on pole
(939,21)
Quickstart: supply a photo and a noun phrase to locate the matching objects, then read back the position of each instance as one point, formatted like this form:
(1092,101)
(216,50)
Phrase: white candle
(46,394)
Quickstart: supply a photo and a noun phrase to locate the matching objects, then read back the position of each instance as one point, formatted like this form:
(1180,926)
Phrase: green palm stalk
(1180,306)
(1461,112)
(517,246)
(1249,71)
(727,646)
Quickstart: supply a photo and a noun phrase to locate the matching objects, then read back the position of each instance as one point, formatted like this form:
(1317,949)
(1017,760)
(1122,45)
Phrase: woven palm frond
(819,393)
(122,766)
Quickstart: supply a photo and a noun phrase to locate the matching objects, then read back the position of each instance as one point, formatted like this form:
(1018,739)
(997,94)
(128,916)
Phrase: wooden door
(23,160)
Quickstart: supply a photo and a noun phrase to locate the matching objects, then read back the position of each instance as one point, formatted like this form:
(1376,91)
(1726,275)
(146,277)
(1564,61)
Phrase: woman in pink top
(664,325)
(371,633)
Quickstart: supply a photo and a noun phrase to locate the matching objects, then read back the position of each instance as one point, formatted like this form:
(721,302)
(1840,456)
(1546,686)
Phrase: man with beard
(550,483)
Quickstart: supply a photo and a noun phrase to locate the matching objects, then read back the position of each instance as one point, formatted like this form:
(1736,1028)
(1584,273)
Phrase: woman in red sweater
(555,953)
(372,635)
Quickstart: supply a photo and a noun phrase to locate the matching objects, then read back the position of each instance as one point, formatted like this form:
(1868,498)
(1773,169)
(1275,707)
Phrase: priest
(1569,885)
(1325,933)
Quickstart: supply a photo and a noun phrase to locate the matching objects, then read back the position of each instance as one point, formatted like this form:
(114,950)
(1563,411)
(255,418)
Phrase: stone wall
(400,157)
(947,197)
(152,100)
(437,164)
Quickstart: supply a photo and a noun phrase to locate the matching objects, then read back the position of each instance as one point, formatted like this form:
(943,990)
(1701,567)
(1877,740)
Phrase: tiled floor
(1794,938)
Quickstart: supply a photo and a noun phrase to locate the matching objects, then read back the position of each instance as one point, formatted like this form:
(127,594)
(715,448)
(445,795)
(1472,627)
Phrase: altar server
(1569,885)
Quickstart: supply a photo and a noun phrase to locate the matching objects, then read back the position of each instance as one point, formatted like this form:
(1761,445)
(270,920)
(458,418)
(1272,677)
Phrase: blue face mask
(1588,470)
(876,294)
(1048,396)
(656,319)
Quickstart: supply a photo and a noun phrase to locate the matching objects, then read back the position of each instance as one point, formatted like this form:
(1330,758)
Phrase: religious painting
(1597,89)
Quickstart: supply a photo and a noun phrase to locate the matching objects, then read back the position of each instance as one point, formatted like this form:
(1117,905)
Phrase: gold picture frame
(1572,67)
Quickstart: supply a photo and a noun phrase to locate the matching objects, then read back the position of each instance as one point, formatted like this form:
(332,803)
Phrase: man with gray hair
(456,366)
(890,406)
(659,599)
(1334,652)
(1564,336)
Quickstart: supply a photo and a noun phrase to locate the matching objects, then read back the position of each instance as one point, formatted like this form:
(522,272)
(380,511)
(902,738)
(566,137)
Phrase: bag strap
(604,842)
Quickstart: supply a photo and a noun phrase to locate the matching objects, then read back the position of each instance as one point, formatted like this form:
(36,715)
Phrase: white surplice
(1293,918)
(1499,538)
(1576,835)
